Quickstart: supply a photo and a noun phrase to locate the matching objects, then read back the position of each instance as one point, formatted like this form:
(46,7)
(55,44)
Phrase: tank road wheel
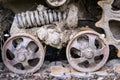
(56,3)
(87,51)
(23,54)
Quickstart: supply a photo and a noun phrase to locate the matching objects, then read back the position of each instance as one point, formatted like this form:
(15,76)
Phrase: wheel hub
(21,54)
(21,58)
(88,53)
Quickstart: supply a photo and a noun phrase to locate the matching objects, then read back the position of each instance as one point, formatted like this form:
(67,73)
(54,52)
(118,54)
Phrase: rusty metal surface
(83,51)
(108,15)
(37,18)
(23,54)
(48,25)
(57,26)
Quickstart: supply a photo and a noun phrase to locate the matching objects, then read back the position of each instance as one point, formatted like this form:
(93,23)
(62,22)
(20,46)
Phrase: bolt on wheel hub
(21,58)
(88,53)
(21,54)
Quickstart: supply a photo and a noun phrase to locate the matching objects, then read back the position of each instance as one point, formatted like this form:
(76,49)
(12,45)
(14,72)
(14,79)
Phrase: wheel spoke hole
(98,44)
(32,46)
(84,64)
(98,58)
(83,41)
(19,66)
(83,37)
(10,55)
(33,62)
(75,53)
(17,42)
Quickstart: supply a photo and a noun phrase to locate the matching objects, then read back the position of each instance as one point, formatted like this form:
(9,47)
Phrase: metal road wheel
(56,3)
(23,54)
(87,51)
